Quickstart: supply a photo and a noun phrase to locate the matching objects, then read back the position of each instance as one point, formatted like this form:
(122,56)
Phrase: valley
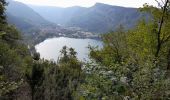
(84,50)
(100,18)
(38,23)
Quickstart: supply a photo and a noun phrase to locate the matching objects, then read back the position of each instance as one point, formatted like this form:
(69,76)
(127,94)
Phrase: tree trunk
(168,60)
(159,41)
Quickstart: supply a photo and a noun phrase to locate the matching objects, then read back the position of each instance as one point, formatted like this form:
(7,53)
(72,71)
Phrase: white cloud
(88,3)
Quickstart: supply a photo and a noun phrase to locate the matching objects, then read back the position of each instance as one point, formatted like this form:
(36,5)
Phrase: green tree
(35,78)
(2,10)
(14,58)
(131,63)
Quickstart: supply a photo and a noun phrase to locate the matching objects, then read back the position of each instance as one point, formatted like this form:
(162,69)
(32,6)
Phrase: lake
(50,48)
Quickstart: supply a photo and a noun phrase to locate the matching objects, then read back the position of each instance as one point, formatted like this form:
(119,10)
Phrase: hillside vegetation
(132,65)
(100,18)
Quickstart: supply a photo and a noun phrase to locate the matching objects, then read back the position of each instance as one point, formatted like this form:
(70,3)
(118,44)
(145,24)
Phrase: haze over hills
(99,18)
(42,60)
(35,27)
(23,16)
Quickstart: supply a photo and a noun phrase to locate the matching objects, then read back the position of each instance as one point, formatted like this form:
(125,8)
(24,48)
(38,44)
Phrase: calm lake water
(50,48)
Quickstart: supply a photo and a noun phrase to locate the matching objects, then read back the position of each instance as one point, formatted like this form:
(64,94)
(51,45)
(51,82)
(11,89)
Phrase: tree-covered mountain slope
(23,16)
(99,18)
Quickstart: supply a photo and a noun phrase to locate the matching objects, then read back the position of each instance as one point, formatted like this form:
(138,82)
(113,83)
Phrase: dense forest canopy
(132,65)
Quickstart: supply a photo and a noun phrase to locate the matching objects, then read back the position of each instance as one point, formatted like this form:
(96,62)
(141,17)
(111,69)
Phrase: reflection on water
(50,48)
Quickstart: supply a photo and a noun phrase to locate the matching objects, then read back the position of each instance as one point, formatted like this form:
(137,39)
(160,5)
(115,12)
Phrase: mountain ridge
(23,16)
(99,18)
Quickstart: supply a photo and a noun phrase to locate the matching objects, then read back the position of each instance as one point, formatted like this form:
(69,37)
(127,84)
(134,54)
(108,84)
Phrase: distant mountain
(56,14)
(35,27)
(23,16)
(99,18)
(21,24)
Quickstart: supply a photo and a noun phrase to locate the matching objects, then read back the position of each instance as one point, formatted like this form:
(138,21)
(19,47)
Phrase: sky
(88,3)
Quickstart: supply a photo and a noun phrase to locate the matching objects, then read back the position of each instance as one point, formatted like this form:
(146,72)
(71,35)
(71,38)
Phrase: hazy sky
(88,3)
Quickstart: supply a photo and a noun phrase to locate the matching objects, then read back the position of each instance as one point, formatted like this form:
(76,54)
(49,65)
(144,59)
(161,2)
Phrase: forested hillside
(24,76)
(99,18)
(21,24)
(23,17)
(132,65)
(23,12)
(35,28)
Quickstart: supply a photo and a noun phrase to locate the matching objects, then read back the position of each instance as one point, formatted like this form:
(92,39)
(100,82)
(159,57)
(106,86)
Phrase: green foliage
(42,79)
(36,56)
(14,57)
(71,68)
(2,10)
(142,40)
(60,80)
(36,76)
(127,67)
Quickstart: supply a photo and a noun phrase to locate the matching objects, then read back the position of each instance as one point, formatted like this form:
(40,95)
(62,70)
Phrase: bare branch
(159,4)
(163,2)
